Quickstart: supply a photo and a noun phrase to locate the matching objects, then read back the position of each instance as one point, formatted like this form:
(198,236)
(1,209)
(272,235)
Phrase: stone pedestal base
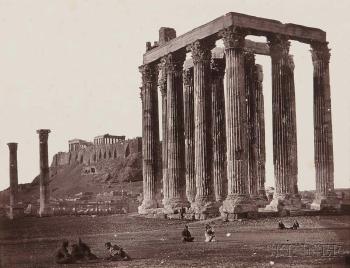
(238,204)
(15,213)
(326,203)
(147,206)
(285,202)
(260,201)
(46,212)
(203,210)
(174,205)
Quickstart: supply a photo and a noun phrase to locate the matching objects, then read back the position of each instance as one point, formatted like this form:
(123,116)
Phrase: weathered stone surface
(218,125)
(44,209)
(15,210)
(249,65)
(238,199)
(205,200)
(284,127)
(166,34)
(162,83)
(256,25)
(189,134)
(175,133)
(260,136)
(323,136)
(95,153)
(150,137)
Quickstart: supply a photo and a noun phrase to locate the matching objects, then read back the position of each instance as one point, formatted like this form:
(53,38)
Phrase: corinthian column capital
(233,38)
(148,72)
(279,46)
(43,134)
(173,62)
(320,52)
(201,50)
(162,78)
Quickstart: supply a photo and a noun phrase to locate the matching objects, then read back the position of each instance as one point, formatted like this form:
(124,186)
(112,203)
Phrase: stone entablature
(96,153)
(108,139)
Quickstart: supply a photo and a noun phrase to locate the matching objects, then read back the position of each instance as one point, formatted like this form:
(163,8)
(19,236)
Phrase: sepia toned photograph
(174,133)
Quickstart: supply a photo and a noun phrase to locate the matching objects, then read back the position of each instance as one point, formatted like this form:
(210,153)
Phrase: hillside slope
(121,173)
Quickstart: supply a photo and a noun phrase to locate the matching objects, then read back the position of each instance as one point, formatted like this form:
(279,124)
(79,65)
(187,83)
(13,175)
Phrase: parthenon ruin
(213,130)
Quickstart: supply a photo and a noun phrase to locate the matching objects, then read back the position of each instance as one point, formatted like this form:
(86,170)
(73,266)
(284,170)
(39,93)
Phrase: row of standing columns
(213,144)
(16,210)
(106,140)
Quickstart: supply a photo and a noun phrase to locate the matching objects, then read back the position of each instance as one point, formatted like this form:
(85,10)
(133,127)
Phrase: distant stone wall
(95,153)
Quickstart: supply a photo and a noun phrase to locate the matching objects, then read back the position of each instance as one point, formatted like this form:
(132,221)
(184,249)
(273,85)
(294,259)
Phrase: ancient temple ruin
(213,144)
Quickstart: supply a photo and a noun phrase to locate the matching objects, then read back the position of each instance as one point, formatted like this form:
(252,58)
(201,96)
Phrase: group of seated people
(81,252)
(295,225)
(209,234)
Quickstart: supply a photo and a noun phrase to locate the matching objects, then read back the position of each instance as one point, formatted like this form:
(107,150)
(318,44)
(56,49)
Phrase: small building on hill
(108,139)
(77,144)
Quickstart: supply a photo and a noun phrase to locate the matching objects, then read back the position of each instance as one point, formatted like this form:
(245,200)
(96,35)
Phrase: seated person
(62,255)
(281,225)
(209,234)
(81,251)
(86,250)
(116,253)
(186,235)
(295,225)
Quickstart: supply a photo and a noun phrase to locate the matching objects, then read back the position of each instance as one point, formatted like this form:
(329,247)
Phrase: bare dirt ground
(322,241)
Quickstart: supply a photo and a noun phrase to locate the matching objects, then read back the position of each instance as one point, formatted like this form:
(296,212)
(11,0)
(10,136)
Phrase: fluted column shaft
(201,55)
(249,65)
(293,173)
(323,137)
(218,128)
(175,134)
(238,200)
(44,172)
(284,125)
(13,174)
(150,136)
(162,81)
(189,134)
(260,133)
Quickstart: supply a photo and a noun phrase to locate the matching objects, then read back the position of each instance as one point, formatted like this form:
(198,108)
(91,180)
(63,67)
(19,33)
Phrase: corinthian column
(284,129)
(44,209)
(162,82)
(323,137)
(238,199)
(14,208)
(249,65)
(218,128)
(293,155)
(205,201)
(189,134)
(150,137)
(260,136)
(175,134)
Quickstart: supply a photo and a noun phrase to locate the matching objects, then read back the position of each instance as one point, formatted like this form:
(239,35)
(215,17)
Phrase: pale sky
(72,66)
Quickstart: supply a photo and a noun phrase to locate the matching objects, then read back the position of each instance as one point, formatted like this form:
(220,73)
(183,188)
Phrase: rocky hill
(95,169)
